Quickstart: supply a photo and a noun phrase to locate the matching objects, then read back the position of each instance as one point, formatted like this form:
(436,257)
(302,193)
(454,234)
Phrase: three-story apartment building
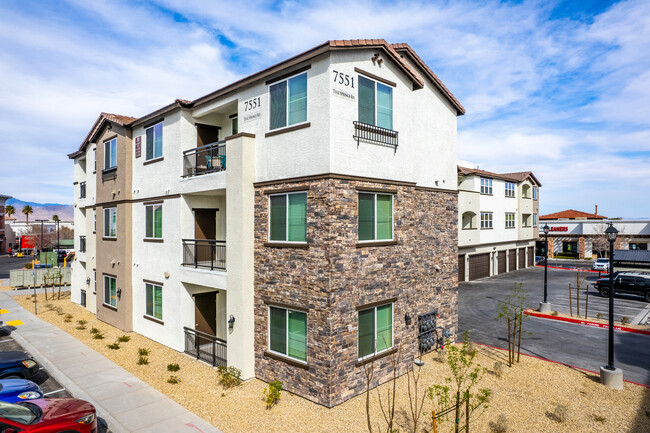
(297,224)
(497,221)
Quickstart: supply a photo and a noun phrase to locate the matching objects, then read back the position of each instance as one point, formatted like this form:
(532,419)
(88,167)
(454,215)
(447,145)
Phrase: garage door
(531,256)
(522,258)
(479,266)
(502,262)
(461,267)
(512,260)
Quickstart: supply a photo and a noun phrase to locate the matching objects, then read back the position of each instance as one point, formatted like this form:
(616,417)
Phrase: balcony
(210,158)
(205,254)
(375,134)
(82,244)
(82,189)
(205,347)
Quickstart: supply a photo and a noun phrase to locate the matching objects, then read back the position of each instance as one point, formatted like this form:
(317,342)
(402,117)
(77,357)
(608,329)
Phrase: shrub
(272,393)
(98,336)
(173,367)
(500,426)
(498,369)
(599,418)
(173,380)
(81,324)
(554,313)
(143,360)
(561,413)
(143,351)
(599,316)
(68,318)
(472,348)
(442,356)
(124,339)
(94,331)
(229,377)
(113,346)
(28,265)
(625,320)
(60,311)
(50,307)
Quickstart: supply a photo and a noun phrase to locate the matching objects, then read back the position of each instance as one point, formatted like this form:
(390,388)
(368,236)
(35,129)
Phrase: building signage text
(558,229)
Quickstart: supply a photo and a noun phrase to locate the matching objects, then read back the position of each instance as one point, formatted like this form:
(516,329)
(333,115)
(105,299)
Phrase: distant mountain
(42,210)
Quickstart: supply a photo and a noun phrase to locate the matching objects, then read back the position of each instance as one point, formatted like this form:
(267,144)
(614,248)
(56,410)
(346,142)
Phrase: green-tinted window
(366,100)
(384,106)
(375,103)
(110,154)
(153,301)
(375,217)
(153,221)
(288,217)
(235,124)
(110,222)
(110,291)
(289,102)
(288,332)
(375,330)
(154,141)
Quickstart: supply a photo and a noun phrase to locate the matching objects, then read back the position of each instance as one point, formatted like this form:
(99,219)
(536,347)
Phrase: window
(375,330)
(375,103)
(534,193)
(95,157)
(234,124)
(486,186)
(110,154)
(153,221)
(289,101)
(288,217)
(94,220)
(288,332)
(486,220)
(534,220)
(110,222)
(510,189)
(153,301)
(510,220)
(94,281)
(375,217)
(525,220)
(154,141)
(110,291)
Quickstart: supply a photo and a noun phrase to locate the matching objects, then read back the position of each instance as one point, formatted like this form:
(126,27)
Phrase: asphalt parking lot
(572,344)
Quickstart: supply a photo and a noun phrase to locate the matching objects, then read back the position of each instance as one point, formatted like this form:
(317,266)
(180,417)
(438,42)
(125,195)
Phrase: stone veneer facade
(334,276)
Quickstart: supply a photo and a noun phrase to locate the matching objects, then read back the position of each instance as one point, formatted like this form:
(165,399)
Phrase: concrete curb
(533,313)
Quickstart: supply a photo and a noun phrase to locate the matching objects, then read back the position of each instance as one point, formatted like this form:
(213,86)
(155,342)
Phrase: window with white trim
(375,103)
(153,301)
(534,220)
(154,141)
(375,330)
(94,220)
(110,154)
(288,332)
(510,189)
(153,221)
(486,220)
(288,102)
(510,220)
(375,216)
(110,290)
(110,222)
(534,193)
(288,217)
(486,186)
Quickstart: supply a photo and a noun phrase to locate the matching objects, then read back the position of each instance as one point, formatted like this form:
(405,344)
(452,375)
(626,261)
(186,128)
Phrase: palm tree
(27,210)
(10,210)
(55,217)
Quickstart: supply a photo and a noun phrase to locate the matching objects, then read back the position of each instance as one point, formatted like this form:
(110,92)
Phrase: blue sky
(561,88)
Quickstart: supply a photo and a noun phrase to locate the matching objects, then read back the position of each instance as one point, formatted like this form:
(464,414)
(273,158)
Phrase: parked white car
(601,265)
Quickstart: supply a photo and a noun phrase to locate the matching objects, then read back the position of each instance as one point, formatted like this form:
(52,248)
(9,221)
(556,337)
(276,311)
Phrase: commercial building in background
(3,236)
(297,224)
(581,235)
(497,221)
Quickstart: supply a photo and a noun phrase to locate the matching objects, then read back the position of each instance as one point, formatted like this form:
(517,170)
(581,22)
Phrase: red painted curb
(562,363)
(585,322)
(568,269)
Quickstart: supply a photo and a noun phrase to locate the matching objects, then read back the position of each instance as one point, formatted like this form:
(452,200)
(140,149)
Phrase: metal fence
(205,347)
(210,158)
(375,134)
(25,277)
(204,253)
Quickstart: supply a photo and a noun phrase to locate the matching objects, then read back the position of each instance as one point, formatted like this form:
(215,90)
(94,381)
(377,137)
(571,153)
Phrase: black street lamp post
(58,243)
(610,375)
(545,307)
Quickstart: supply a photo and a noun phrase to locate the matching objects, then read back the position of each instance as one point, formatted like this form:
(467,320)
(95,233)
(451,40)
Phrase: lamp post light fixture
(545,307)
(610,375)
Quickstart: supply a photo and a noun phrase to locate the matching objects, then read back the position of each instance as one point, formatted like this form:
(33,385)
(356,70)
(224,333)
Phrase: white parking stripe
(53,392)
(4,341)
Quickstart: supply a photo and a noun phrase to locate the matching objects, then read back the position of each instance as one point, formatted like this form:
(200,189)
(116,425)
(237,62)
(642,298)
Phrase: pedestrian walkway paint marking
(128,385)
(53,392)
(14,323)
(4,311)
(189,424)
(585,322)
(4,341)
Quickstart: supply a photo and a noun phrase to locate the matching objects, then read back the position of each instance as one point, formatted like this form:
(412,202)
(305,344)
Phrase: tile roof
(572,214)
(103,117)
(519,176)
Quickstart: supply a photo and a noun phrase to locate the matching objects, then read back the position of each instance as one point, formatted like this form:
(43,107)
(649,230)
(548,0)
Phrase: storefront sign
(558,229)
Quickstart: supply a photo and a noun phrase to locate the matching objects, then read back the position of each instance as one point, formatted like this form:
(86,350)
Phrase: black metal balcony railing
(205,347)
(82,189)
(205,159)
(375,134)
(82,244)
(204,253)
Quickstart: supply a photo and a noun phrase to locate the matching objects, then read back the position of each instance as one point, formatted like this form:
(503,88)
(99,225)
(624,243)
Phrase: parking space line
(4,341)
(53,392)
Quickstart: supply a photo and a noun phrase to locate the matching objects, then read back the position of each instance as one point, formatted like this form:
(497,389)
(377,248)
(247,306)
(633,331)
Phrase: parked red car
(48,415)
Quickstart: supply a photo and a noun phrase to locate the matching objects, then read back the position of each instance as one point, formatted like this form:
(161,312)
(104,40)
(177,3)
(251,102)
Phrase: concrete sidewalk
(128,404)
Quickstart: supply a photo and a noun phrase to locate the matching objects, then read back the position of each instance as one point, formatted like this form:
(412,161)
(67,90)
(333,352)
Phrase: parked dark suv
(626,282)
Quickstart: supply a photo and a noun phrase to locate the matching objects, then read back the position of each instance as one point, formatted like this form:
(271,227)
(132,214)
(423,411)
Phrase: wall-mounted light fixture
(88,281)
(407,319)
(231,322)
(119,293)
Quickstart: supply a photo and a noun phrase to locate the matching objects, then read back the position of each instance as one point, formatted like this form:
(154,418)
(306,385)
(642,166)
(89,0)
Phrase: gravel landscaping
(528,394)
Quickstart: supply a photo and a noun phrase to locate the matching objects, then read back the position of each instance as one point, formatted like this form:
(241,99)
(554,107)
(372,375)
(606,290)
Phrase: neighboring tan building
(281,224)
(3,234)
(497,221)
(581,235)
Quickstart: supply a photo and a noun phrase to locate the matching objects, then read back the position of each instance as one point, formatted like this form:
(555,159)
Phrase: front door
(205,312)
